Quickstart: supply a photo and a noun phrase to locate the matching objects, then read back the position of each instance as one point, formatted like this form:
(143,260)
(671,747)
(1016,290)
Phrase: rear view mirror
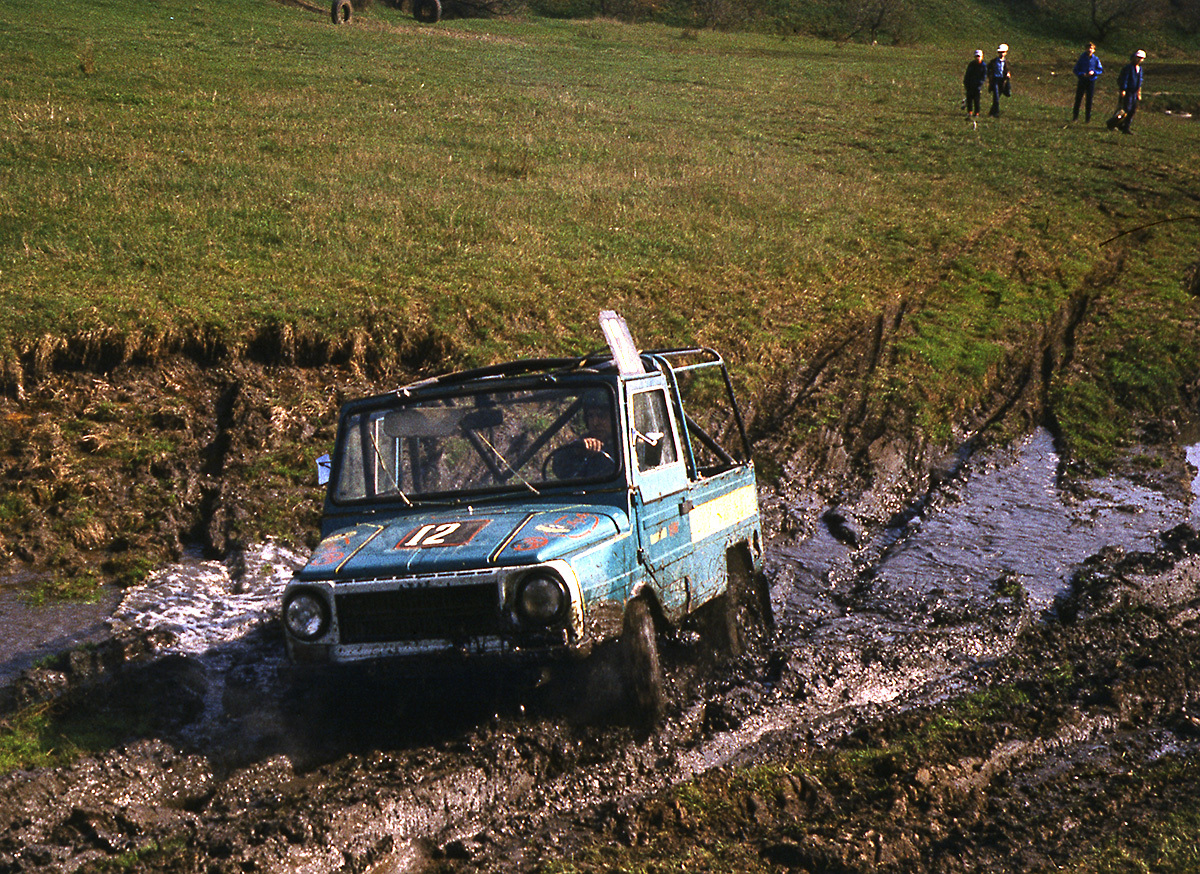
(426,422)
(484,417)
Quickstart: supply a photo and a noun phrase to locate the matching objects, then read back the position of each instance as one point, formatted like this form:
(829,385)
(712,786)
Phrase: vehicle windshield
(477,442)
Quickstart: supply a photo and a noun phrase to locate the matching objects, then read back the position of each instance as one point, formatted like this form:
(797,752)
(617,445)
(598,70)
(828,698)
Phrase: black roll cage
(601,361)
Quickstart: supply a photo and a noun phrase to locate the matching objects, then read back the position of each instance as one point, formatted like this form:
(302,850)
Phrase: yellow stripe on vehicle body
(723,512)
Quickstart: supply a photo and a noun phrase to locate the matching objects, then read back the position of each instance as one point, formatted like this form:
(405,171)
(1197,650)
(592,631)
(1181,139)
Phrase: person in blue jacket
(1129,83)
(999,77)
(973,81)
(1087,70)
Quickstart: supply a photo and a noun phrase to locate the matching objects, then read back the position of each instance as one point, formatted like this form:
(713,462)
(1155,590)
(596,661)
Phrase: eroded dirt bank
(118,452)
(217,757)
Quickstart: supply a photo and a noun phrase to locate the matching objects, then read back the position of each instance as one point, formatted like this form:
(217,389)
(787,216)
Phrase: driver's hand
(591,444)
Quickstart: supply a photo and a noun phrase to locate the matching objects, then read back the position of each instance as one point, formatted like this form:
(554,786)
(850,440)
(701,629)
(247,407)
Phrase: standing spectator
(973,81)
(1087,70)
(1130,84)
(999,78)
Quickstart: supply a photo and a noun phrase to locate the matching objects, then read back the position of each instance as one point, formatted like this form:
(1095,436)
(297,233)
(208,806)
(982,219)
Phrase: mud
(224,758)
(906,578)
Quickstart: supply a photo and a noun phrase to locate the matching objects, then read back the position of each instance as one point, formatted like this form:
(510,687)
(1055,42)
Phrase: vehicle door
(660,494)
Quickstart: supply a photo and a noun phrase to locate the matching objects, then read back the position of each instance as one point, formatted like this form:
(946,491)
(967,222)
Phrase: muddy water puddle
(1004,518)
(30,632)
(202,605)
(909,615)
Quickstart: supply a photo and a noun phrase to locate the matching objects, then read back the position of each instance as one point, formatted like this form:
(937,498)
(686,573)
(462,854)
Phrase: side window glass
(653,437)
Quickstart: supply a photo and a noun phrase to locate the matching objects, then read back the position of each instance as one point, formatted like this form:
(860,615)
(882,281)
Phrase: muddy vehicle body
(527,511)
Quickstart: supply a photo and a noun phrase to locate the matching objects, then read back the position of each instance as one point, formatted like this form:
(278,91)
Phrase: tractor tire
(427,11)
(644,683)
(341,12)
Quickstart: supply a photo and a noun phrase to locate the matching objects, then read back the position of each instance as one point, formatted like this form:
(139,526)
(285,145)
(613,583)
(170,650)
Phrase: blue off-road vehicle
(530,510)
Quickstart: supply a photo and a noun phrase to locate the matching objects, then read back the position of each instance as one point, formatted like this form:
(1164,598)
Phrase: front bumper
(458,615)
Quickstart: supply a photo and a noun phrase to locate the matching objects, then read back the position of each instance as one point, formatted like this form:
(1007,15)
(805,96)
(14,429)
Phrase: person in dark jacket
(973,81)
(1129,83)
(999,77)
(1087,70)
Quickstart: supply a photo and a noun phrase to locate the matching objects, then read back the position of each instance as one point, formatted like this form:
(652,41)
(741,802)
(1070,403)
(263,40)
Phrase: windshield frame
(508,475)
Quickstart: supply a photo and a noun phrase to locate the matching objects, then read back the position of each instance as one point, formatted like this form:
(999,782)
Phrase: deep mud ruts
(1085,721)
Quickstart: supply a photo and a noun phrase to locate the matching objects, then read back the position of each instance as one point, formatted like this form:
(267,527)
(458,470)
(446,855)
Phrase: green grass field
(172,166)
(176,166)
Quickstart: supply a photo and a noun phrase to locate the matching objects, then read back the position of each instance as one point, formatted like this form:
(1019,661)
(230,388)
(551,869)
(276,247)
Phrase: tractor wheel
(341,11)
(427,11)
(643,672)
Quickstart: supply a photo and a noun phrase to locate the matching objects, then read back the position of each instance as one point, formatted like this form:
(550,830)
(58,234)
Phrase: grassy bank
(196,176)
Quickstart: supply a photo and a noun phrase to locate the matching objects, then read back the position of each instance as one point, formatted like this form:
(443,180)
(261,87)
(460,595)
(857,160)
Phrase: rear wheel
(741,618)
(643,670)
(341,11)
(427,11)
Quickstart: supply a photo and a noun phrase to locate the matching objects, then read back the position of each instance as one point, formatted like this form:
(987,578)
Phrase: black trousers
(1086,85)
(1131,104)
(973,99)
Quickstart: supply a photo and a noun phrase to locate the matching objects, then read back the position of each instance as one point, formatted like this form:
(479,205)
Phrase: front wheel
(643,671)
(427,11)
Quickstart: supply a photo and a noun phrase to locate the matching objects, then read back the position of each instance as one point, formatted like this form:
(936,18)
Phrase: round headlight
(540,599)
(306,615)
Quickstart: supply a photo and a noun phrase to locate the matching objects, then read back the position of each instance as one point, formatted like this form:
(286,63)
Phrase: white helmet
(1003,47)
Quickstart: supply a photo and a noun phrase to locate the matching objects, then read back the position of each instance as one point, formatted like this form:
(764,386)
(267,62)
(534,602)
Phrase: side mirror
(649,448)
(324,464)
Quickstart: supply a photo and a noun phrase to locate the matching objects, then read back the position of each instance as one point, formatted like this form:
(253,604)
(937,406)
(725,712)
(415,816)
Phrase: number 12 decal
(441,534)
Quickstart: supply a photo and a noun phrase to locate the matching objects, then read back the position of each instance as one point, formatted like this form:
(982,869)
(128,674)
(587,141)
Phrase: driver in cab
(594,454)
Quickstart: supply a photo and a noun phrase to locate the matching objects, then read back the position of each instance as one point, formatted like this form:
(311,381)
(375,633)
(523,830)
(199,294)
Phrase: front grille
(429,612)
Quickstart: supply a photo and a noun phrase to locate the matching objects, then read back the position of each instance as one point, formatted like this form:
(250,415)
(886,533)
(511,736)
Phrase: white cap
(979,53)
(1003,47)
(1139,54)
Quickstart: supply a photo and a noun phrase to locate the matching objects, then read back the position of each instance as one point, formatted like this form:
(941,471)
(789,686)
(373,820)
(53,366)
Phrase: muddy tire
(718,625)
(341,11)
(427,11)
(741,618)
(644,684)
